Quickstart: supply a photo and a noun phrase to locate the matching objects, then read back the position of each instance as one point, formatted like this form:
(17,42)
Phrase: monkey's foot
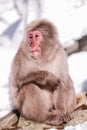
(66,117)
(58,119)
(54,120)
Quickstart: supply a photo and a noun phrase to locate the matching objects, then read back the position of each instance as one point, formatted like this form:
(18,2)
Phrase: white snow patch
(6,56)
(82,126)
(78,69)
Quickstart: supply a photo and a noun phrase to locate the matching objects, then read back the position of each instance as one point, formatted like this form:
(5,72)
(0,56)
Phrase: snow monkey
(40,85)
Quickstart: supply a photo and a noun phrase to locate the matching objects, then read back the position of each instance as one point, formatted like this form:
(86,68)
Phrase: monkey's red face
(34,39)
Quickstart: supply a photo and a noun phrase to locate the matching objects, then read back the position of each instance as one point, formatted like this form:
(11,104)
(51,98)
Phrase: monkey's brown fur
(41,88)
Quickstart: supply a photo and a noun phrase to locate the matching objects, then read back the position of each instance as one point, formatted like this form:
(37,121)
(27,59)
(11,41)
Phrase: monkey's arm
(43,79)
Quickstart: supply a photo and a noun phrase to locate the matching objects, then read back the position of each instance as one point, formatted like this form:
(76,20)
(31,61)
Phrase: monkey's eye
(30,36)
(36,35)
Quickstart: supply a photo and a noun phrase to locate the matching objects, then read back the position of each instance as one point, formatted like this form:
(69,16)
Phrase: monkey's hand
(43,79)
(46,80)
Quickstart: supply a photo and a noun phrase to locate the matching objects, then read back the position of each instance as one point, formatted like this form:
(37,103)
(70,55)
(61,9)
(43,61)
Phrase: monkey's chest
(51,67)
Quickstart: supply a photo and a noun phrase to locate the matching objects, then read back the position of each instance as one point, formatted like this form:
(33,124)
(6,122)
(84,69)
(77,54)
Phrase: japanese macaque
(40,85)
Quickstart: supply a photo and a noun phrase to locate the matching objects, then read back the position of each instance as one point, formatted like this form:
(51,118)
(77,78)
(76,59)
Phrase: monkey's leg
(34,103)
(71,96)
(59,114)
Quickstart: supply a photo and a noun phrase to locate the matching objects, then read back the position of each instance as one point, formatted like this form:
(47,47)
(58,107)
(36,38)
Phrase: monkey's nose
(33,45)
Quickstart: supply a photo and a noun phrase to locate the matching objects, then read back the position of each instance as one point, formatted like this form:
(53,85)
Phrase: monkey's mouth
(35,52)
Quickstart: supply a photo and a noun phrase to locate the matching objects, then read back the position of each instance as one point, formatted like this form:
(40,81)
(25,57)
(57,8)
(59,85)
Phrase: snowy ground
(6,56)
(82,126)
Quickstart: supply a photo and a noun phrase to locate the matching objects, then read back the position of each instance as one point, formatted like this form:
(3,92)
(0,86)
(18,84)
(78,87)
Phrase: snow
(71,22)
(9,17)
(6,56)
(82,126)
(5,103)
(78,70)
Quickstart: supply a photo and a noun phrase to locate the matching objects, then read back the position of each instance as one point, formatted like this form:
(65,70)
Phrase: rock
(9,122)
(27,124)
(83,43)
(79,116)
(72,48)
(81,100)
(77,46)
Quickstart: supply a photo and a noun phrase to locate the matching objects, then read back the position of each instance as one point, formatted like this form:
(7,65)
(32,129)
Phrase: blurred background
(70,18)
